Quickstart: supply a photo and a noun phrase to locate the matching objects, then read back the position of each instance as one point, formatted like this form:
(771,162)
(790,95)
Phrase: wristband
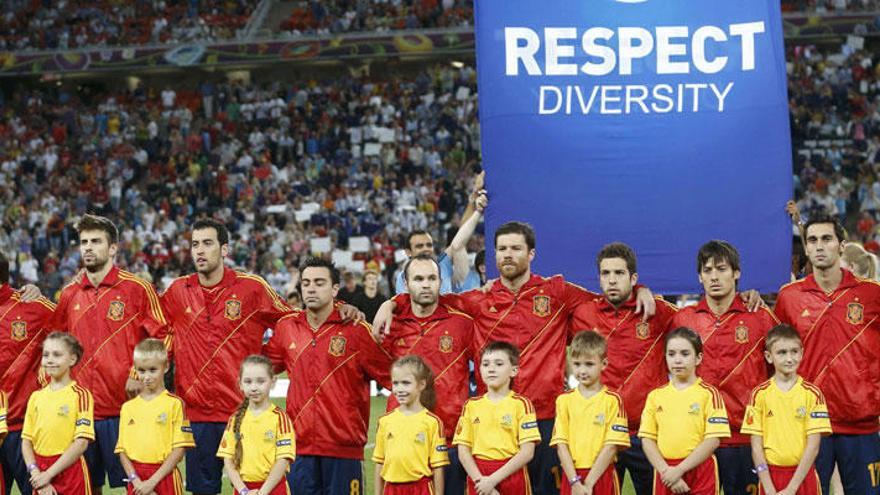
(243,491)
(760,468)
(31,467)
(131,478)
(576,479)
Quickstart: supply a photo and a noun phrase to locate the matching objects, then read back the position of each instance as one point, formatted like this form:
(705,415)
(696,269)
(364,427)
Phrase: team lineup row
(216,317)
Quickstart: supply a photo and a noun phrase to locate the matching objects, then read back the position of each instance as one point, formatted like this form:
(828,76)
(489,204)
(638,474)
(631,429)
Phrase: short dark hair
(839,231)
(95,222)
(521,228)
(500,346)
(717,250)
(686,334)
(4,269)
(210,223)
(415,233)
(779,332)
(421,257)
(618,250)
(314,262)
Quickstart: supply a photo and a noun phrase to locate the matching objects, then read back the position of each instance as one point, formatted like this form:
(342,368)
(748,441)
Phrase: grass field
(376,410)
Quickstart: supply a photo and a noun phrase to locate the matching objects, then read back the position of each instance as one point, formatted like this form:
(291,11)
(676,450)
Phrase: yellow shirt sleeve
(464,432)
(717,424)
(227,444)
(285,441)
(123,427)
(379,450)
(818,420)
(648,428)
(560,425)
(85,416)
(3,411)
(618,427)
(30,418)
(528,426)
(439,456)
(182,435)
(753,421)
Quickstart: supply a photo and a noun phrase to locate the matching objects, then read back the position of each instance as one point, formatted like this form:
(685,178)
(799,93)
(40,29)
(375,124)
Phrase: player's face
(681,358)
(151,372)
(95,249)
(57,358)
(423,282)
(616,280)
(318,289)
(497,370)
(421,244)
(718,278)
(405,386)
(588,368)
(785,355)
(512,255)
(206,251)
(822,246)
(255,383)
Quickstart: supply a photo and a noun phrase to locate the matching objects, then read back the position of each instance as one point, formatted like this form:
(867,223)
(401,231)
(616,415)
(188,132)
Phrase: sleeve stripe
(757,390)
(152,297)
(621,411)
(526,403)
(717,401)
(820,397)
(276,299)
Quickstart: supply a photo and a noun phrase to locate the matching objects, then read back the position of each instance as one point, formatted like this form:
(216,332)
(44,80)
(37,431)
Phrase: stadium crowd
(352,15)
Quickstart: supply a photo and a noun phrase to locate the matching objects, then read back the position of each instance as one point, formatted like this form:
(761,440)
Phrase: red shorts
(424,486)
(169,485)
(72,481)
(702,480)
(607,484)
(280,489)
(515,484)
(781,476)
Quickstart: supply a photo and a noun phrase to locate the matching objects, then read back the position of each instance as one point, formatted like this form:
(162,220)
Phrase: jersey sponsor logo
(446,343)
(401,342)
(337,346)
(718,421)
(283,443)
(529,425)
(805,314)
(477,420)
(130,421)
(233,309)
(116,310)
(819,415)
(769,413)
(19,330)
(643,330)
(659,409)
(541,306)
(83,422)
(619,428)
(801,412)
(741,334)
(855,313)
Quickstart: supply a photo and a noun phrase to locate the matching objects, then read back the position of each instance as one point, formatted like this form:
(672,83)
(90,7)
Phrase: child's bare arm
(233,475)
(603,460)
(517,462)
(379,483)
(806,463)
(759,458)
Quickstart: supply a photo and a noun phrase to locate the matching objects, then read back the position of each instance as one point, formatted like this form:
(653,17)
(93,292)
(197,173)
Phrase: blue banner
(659,123)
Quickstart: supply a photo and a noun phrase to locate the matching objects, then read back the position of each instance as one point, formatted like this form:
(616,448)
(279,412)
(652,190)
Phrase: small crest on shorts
(337,346)
(855,313)
(233,309)
(116,310)
(19,330)
(541,306)
(643,330)
(741,334)
(446,343)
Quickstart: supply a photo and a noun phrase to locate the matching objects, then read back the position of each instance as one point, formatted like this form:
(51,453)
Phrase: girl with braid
(258,444)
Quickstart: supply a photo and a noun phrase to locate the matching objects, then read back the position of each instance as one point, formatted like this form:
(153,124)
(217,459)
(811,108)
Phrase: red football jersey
(214,329)
(535,319)
(841,334)
(22,330)
(636,363)
(330,370)
(443,340)
(733,354)
(109,320)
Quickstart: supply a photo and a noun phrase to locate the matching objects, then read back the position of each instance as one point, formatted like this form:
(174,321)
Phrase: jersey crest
(541,306)
(162,419)
(855,313)
(233,309)
(446,343)
(116,310)
(19,330)
(741,334)
(507,421)
(337,346)
(801,412)
(420,437)
(643,330)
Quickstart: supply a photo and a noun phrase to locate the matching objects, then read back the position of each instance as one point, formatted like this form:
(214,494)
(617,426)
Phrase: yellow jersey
(150,429)
(679,420)
(586,425)
(4,407)
(785,419)
(495,430)
(55,418)
(409,447)
(265,438)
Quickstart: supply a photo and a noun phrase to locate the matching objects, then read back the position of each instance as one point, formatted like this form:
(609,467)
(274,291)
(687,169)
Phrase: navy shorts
(204,470)
(640,470)
(318,475)
(735,466)
(101,459)
(13,464)
(857,458)
(454,475)
(545,473)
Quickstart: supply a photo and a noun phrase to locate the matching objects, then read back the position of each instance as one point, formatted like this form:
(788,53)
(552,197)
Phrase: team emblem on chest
(337,346)
(446,343)
(116,310)
(19,330)
(642,330)
(233,309)
(541,306)
(741,334)
(855,313)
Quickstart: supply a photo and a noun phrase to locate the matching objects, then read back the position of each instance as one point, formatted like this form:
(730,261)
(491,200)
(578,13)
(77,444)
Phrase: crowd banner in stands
(659,123)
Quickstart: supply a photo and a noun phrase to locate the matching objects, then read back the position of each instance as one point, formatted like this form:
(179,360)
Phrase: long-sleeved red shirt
(22,330)
(841,334)
(330,370)
(214,329)
(109,320)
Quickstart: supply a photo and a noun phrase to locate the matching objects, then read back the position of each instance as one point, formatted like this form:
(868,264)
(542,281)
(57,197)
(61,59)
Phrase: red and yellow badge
(233,309)
(116,310)
(750,417)
(741,333)
(337,346)
(541,306)
(19,330)
(446,343)
(855,313)
(643,330)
